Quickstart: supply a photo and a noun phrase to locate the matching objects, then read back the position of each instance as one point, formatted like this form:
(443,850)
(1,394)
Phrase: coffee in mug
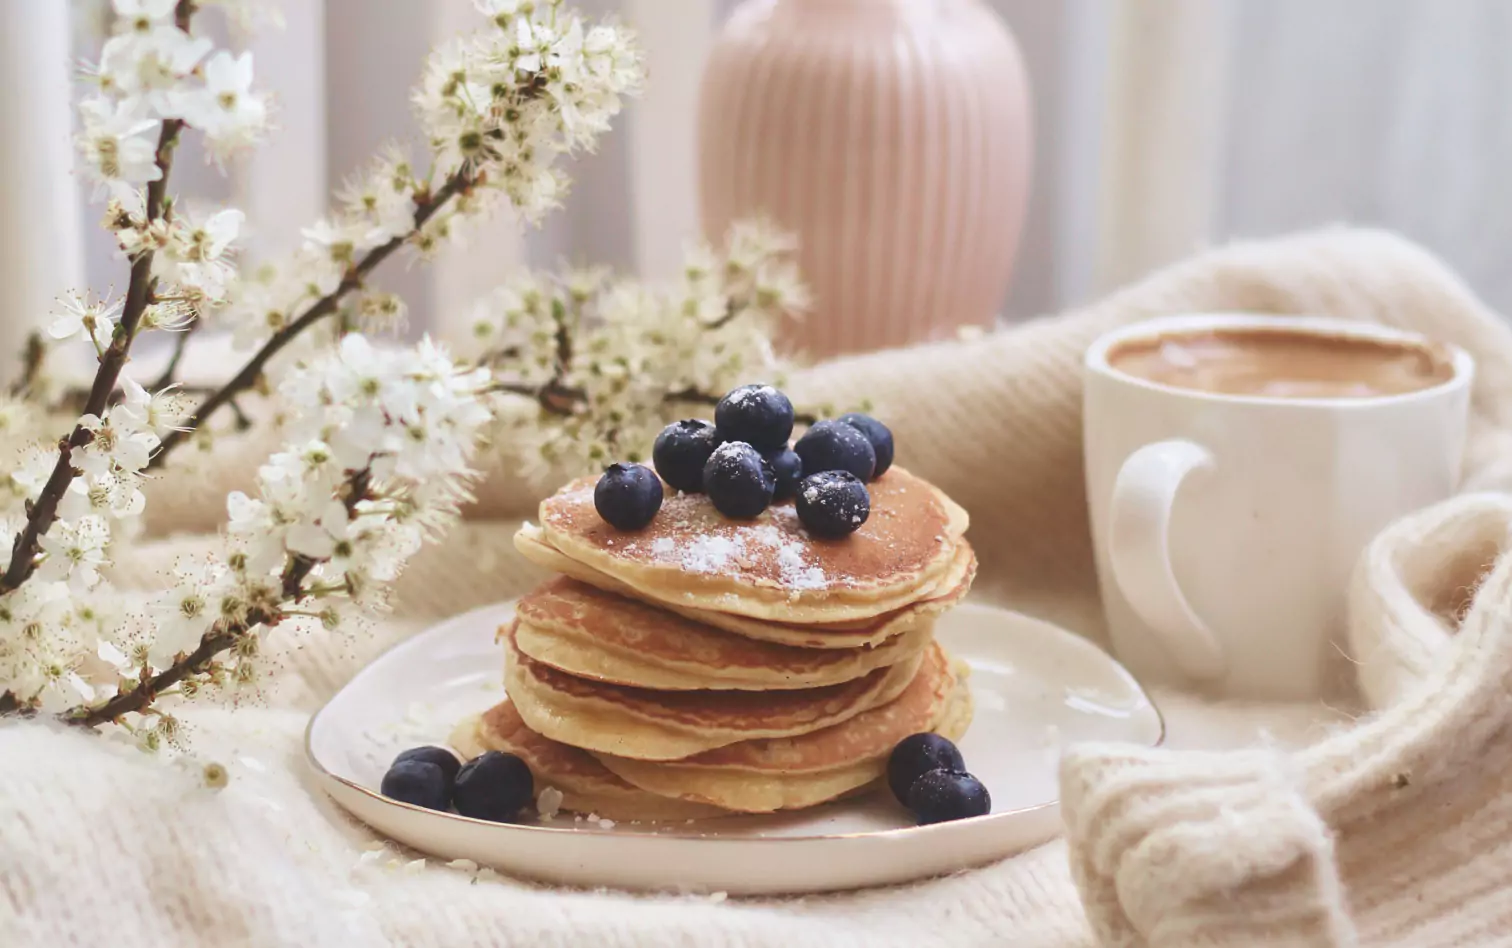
(1284,363)
(1237,465)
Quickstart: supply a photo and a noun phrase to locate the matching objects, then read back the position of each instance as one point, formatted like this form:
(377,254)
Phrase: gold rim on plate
(681,835)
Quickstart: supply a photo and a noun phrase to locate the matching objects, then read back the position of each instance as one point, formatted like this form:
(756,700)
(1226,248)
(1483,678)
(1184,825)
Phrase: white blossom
(380,201)
(157,412)
(507,8)
(227,109)
(197,255)
(75,551)
(121,442)
(185,612)
(148,67)
(116,141)
(317,536)
(59,686)
(337,240)
(36,467)
(636,346)
(260,307)
(511,100)
(380,313)
(169,316)
(79,314)
(115,496)
(143,15)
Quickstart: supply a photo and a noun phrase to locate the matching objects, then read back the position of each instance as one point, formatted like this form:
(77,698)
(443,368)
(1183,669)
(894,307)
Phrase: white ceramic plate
(1037,687)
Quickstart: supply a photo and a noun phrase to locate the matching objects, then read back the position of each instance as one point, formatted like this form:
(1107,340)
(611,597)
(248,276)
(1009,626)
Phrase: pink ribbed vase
(893,136)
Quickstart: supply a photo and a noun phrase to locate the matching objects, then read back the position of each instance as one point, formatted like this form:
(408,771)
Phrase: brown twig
(320,309)
(727,317)
(562,339)
(32,357)
(243,422)
(553,396)
(561,400)
(170,371)
(557,398)
(44,511)
(217,640)
(10,704)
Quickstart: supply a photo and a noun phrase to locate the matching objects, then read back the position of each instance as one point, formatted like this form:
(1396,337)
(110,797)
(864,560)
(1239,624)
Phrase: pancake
(586,785)
(765,775)
(587,632)
(769,567)
(949,591)
(669,725)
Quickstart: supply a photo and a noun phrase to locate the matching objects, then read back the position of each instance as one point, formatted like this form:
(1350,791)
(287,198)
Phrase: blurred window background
(1161,126)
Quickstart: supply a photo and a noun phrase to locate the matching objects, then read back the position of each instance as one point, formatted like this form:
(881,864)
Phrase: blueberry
(759,415)
(682,450)
(836,446)
(878,434)
(439,756)
(738,480)
(628,496)
(942,795)
(787,469)
(833,504)
(418,782)
(495,786)
(915,756)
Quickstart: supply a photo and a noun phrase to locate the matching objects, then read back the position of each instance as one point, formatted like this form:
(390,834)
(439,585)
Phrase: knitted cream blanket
(1392,829)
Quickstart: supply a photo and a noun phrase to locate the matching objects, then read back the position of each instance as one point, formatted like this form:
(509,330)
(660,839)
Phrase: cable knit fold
(1191,848)
(1377,833)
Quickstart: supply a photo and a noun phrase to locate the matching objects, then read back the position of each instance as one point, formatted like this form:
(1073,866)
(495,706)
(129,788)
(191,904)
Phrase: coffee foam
(1284,363)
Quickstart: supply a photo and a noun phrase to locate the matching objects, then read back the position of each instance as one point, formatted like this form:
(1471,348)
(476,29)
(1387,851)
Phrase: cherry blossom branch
(322,308)
(221,637)
(314,543)
(559,400)
(556,397)
(44,511)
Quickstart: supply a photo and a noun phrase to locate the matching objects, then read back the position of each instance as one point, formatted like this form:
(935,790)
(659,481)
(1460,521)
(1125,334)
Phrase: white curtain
(40,248)
(1166,125)
(1162,125)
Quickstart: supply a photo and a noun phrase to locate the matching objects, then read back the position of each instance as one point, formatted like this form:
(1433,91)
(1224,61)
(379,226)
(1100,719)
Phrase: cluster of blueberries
(927,774)
(493,786)
(743,462)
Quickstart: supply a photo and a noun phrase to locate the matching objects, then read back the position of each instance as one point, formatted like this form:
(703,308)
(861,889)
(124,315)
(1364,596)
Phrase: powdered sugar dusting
(796,572)
(710,549)
(710,554)
(766,534)
(744,395)
(784,514)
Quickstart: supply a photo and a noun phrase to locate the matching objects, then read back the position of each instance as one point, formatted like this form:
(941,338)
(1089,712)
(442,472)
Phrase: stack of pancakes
(704,665)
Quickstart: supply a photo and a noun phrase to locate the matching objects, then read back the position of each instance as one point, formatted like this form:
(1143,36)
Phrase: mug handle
(1139,551)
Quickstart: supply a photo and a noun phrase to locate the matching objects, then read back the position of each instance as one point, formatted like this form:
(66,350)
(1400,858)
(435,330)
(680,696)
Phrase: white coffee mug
(1226,526)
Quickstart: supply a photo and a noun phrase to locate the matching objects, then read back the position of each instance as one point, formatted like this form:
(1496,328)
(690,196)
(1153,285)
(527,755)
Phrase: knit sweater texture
(1387,821)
